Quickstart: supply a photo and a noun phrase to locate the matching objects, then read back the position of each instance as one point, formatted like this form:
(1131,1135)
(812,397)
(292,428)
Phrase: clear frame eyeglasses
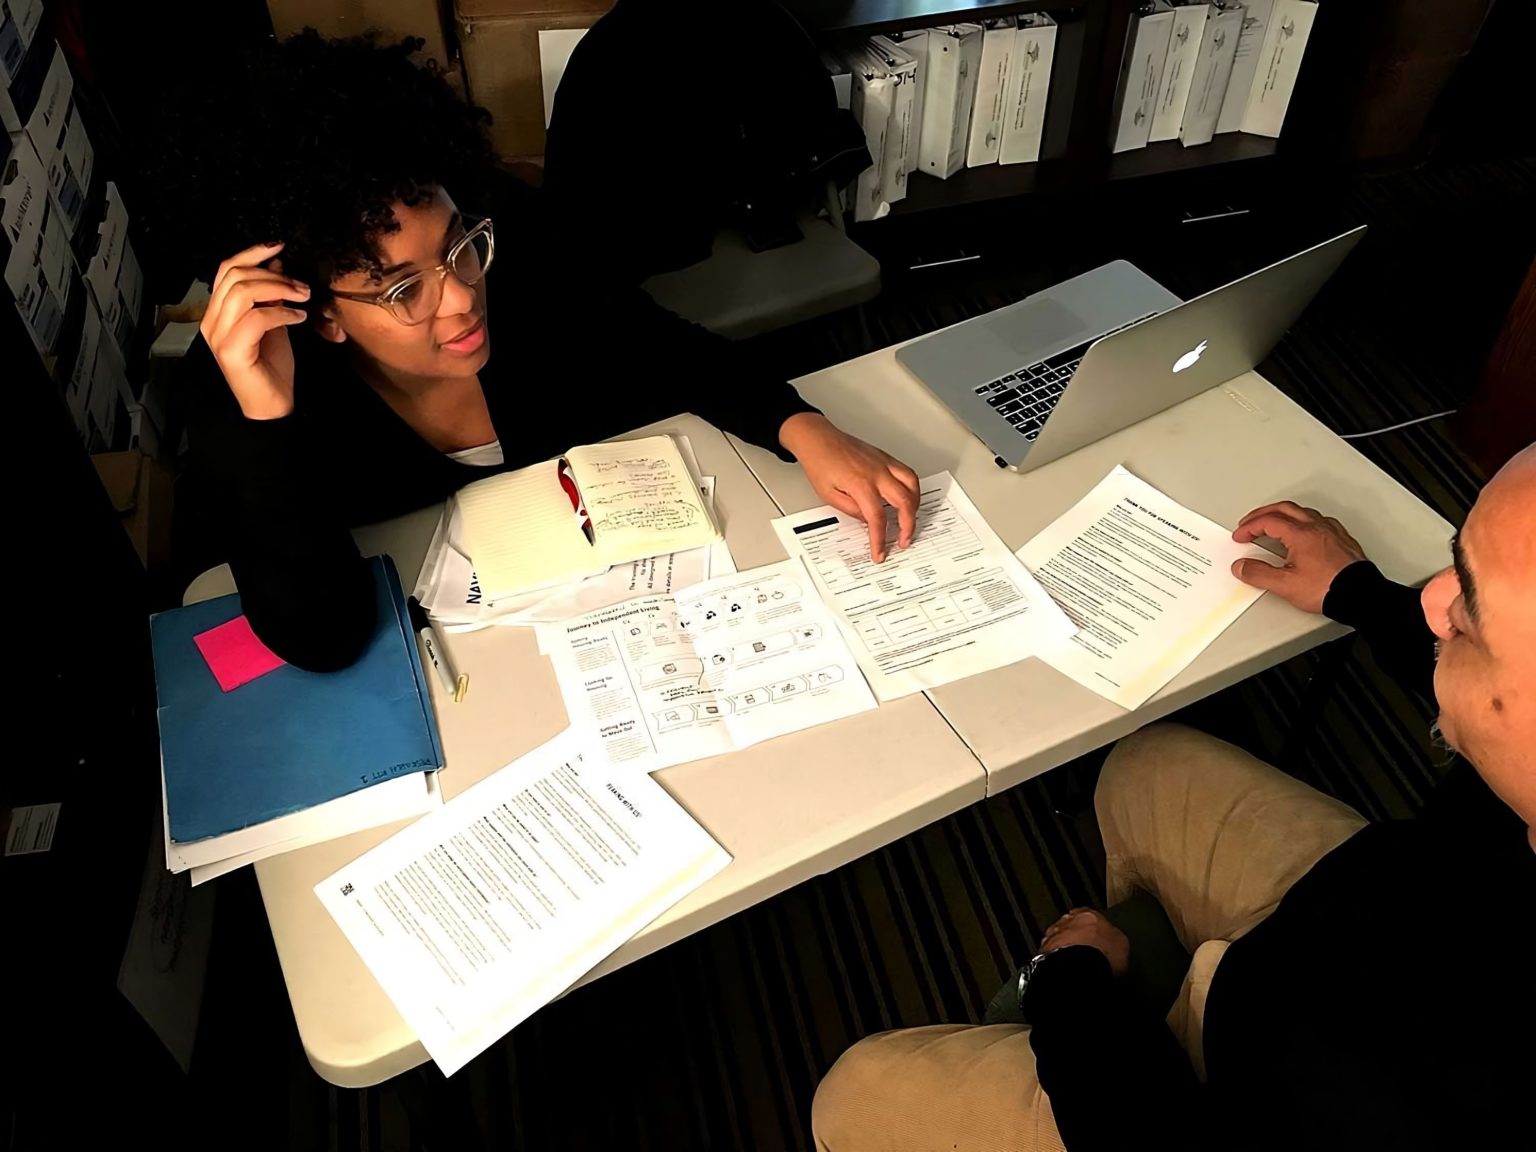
(414,299)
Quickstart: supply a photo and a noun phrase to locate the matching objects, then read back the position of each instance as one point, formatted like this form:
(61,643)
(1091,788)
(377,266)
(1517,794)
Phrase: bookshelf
(1075,151)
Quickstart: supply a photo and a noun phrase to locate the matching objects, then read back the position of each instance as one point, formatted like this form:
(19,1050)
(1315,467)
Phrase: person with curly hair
(367,369)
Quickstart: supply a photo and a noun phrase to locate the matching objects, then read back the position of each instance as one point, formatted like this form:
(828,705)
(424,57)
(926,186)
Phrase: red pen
(568,482)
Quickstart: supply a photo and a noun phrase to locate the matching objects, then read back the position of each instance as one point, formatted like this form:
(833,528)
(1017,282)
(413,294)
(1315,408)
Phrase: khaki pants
(1215,835)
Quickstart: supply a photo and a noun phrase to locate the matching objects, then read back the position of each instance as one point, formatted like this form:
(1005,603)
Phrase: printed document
(661,680)
(957,602)
(1148,583)
(478,915)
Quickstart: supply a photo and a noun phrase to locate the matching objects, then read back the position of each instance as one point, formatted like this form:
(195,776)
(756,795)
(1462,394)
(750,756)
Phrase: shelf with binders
(1075,153)
(869,17)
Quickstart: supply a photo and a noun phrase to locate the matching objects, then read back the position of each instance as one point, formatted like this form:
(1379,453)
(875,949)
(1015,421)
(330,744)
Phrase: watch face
(1026,973)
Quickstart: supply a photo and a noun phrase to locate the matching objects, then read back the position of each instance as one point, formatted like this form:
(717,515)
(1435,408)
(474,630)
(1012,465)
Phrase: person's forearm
(1116,1078)
(1390,619)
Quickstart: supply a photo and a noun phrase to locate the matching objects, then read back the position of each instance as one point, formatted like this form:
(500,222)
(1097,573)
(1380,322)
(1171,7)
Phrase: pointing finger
(872,511)
(904,500)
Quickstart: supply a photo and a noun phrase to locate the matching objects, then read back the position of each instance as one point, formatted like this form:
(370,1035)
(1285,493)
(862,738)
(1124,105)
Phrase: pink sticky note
(234,655)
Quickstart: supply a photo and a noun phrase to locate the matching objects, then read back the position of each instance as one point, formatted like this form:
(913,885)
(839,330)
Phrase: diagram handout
(662,680)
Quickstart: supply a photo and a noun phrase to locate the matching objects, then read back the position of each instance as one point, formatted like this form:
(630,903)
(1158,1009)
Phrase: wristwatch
(1026,974)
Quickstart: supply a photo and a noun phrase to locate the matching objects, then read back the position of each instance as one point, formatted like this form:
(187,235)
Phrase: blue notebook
(290,739)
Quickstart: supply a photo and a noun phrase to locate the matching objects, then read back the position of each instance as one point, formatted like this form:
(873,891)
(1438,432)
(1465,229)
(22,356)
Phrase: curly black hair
(310,141)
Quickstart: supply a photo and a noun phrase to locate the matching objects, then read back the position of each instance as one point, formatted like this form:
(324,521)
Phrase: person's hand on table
(856,478)
(1084,926)
(1317,548)
(245,326)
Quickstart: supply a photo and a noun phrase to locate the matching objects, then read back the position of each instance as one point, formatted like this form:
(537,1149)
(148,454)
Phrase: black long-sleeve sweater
(573,360)
(1388,1003)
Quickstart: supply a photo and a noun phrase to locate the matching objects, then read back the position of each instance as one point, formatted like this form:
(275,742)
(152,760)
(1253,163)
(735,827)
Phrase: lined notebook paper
(522,531)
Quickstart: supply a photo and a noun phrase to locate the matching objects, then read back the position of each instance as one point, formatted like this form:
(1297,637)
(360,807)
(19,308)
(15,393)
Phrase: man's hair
(310,141)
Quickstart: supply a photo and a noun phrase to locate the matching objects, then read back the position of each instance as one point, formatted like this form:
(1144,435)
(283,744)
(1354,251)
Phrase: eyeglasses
(414,299)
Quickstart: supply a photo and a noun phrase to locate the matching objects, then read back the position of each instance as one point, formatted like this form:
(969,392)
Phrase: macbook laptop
(1094,354)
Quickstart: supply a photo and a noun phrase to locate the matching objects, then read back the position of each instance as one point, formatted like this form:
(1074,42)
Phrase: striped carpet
(718,1042)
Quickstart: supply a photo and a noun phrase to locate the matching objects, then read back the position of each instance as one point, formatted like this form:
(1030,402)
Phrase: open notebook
(567,519)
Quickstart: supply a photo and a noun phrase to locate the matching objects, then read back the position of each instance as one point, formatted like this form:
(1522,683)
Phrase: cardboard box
(141,492)
(59,136)
(94,381)
(113,274)
(26,47)
(499,40)
(38,265)
(393,20)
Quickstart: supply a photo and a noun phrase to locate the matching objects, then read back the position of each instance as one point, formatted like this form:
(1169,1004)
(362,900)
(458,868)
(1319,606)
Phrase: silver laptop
(1094,354)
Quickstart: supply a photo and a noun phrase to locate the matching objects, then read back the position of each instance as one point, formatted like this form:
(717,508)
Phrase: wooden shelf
(972,185)
(1171,156)
(887,15)
(998,181)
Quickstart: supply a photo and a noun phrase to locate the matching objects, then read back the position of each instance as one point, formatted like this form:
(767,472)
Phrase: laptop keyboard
(1026,397)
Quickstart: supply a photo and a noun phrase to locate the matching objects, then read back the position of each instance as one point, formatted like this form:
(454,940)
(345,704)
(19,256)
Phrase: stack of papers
(477,916)
(259,757)
(452,594)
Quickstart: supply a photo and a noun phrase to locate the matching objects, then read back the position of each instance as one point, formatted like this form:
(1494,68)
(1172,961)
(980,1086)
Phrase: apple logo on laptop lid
(1190,357)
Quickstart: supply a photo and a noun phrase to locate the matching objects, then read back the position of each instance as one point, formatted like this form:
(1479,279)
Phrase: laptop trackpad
(1037,326)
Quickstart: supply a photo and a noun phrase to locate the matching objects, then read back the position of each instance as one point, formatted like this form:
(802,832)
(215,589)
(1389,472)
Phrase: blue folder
(290,739)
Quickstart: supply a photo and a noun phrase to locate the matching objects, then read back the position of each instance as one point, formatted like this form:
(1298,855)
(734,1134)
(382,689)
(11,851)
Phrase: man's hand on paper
(856,478)
(1084,926)
(1317,548)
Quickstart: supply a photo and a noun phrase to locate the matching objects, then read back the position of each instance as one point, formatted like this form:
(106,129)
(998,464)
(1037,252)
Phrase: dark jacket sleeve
(702,373)
(1116,1077)
(303,585)
(1388,616)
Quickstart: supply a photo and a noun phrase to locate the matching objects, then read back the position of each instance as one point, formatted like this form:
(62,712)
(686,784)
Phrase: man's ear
(329,328)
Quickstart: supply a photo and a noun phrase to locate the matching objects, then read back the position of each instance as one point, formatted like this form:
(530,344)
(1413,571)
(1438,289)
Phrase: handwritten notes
(630,486)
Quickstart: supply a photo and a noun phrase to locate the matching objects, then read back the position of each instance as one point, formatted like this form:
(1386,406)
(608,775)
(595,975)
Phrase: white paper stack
(986,134)
(478,915)
(451,593)
(1029,83)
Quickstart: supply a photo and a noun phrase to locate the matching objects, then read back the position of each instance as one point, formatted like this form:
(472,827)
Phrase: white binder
(1029,84)
(1141,68)
(901,136)
(1213,69)
(1279,61)
(954,60)
(915,44)
(986,134)
(871,99)
(1173,89)
(1250,44)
